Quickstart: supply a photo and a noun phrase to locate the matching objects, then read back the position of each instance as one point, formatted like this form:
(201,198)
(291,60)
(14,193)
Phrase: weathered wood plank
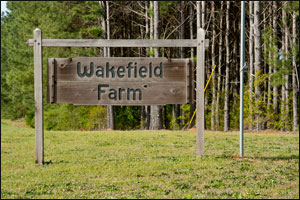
(190,80)
(187,82)
(50,80)
(150,93)
(77,80)
(200,91)
(38,97)
(117,43)
(141,69)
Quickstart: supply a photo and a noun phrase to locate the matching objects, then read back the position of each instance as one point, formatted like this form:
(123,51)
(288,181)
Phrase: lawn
(148,164)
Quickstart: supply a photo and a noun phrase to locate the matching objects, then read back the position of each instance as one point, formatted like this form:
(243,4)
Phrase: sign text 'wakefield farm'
(119,81)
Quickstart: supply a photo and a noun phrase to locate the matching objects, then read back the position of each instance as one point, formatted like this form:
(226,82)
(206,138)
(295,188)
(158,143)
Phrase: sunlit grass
(148,164)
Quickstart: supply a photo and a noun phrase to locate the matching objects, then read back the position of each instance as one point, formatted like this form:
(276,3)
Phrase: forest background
(272,53)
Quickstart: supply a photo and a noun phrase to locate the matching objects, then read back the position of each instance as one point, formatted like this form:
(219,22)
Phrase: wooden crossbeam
(118,43)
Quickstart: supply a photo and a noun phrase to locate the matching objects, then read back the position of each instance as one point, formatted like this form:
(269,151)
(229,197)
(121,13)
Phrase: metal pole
(242,79)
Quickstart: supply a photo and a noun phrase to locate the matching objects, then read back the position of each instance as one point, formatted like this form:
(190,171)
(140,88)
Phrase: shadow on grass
(50,162)
(292,157)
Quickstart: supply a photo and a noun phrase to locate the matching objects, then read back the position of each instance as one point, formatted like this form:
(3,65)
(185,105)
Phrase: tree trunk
(283,88)
(226,105)
(264,122)
(103,25)
(219,68)
(223,84)
(176,107)
(235,75)
(147,108)
(151,22)
(257,62)
(146,21)
(282,107)
(286,52)
(206,71)
(213,107)
(143,117)
(182,53)
(264,49)
(110,109)
(275,57)
(269,76)
(295,113)
(191,13)
(108,26)
(202,14)
(191,20)
(251,65)
(198,16)
(156,111)
(182,28)
(175,115)
(148,116)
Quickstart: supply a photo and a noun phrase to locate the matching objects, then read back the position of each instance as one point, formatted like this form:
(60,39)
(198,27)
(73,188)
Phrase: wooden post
(38,96)
(200,91)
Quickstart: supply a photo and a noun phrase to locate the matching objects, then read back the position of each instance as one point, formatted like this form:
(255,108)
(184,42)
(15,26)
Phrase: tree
(191,21)
(219,66)
(128,20)
(226,105)
(269,56)
(182,52)
(156,111)
(257,63)
(214,108)
(148,108)
(251,55)
(294,75)
(176,108)
(286,55)
(110,108)
(275,57)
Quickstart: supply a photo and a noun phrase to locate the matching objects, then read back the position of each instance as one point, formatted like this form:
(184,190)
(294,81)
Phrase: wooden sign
(119,81)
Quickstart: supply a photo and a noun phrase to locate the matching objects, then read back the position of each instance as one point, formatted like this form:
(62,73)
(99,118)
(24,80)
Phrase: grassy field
(148,164)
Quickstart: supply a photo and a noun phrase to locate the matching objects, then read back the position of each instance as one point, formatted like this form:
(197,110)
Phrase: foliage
(84,19)
(128,117)
(97,118)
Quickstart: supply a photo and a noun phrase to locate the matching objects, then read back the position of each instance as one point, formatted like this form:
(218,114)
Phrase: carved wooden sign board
(119,81)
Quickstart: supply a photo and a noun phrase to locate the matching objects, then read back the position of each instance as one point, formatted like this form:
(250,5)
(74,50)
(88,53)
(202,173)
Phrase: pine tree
(226,105)
(257,63)
(156,111)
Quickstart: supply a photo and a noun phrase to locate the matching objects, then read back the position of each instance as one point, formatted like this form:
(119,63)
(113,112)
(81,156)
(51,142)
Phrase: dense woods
(272,53)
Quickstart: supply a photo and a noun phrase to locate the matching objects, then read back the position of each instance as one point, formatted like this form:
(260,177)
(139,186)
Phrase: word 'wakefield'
(120,71)
(119,81)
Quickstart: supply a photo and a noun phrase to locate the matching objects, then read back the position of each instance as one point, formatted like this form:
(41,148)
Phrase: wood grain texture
(86,93)
(191,87)
(51,80)
(200,92)
(69,88)
(117,43)
(38,97)
(176,70)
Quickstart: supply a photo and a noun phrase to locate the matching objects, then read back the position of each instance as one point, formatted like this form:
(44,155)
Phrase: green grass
(148,164)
